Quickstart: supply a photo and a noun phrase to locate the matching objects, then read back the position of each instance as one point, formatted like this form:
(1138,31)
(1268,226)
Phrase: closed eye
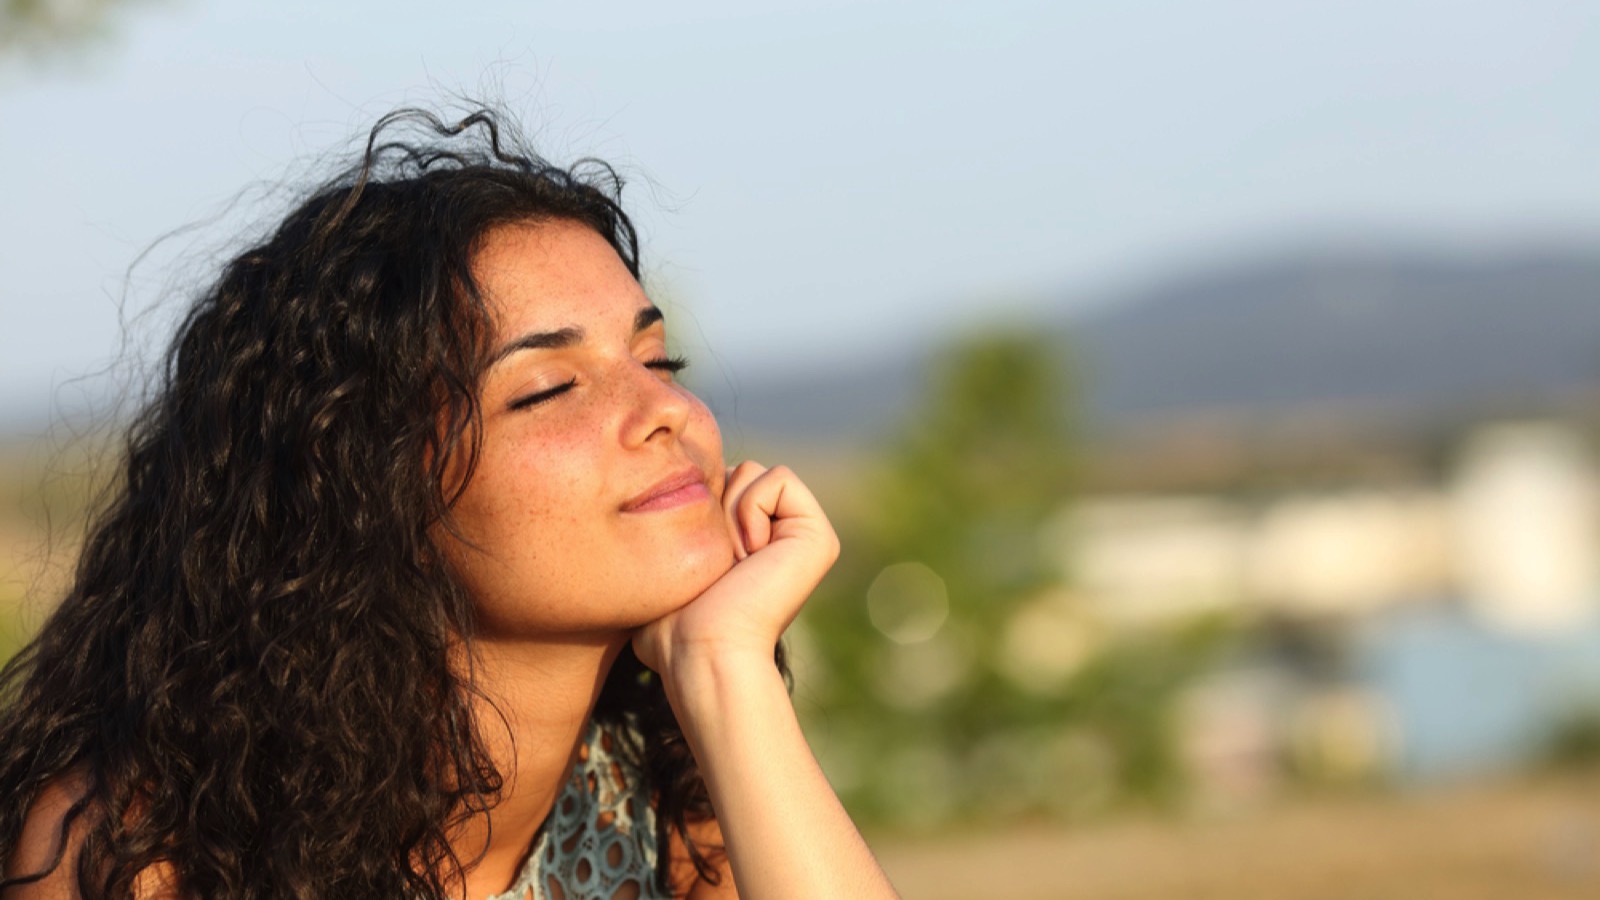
(668,364)
(671,364)
(539,397)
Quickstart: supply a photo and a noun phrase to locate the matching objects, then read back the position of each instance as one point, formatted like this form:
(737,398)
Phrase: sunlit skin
(583,419)
(600,513)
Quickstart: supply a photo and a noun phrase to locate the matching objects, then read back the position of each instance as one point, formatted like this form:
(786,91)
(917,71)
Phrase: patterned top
(599,842)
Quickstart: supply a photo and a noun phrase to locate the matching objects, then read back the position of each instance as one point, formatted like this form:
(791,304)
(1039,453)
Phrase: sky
(815,182)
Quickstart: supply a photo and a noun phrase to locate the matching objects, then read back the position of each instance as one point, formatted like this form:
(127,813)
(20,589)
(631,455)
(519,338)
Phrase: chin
(694,571)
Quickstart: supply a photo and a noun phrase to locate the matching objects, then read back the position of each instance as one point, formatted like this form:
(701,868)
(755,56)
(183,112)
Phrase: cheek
(532,547)
(703,432)
(523,497)
(548,556)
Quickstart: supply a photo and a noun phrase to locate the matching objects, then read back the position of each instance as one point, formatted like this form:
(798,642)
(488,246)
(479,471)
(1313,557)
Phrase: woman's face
(595,503)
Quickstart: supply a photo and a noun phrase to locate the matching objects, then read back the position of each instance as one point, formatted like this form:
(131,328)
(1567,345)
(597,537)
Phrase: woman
(425,578)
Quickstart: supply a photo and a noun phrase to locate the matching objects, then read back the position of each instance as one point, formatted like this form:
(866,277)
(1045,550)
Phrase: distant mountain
(1407,335)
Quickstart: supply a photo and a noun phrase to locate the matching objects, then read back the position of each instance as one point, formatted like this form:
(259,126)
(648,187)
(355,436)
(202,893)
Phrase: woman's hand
(785,833)
(783,545)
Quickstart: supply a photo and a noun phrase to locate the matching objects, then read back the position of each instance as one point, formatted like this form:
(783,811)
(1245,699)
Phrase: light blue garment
(599,842)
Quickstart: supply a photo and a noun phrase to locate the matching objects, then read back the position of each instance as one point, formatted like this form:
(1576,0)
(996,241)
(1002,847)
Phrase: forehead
(552,275)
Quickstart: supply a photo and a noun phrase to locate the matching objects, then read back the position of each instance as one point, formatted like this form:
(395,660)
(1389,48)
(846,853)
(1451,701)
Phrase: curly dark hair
(249,674)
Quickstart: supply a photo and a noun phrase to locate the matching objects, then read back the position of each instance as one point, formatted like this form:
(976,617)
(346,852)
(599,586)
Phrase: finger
(777,503)
(739,479)
(754,512)
(794,503)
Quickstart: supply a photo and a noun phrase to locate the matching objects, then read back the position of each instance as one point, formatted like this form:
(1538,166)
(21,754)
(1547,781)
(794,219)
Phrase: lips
(681,487)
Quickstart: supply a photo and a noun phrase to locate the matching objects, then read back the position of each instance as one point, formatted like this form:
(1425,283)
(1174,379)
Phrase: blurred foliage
(13,633)
(38,26)
(958,678)
(48,487)
(1574,742)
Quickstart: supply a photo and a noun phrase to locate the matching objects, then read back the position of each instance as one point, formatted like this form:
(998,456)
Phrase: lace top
(599,842)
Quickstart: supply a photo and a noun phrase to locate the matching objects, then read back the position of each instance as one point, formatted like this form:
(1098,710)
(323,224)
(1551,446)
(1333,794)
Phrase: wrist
(710,682)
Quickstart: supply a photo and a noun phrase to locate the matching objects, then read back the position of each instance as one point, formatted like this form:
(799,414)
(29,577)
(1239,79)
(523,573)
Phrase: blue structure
(1469,699)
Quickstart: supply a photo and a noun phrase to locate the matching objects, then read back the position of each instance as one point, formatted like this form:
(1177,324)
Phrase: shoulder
(686,879)
(52,837)
(52,834)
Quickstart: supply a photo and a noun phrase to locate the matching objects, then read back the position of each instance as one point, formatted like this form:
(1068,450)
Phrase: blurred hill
(1398,343)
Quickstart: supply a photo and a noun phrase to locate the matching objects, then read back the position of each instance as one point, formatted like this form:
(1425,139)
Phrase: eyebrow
(570,336)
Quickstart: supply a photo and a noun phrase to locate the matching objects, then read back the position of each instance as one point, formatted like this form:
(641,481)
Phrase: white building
(1526,515)
(1515,534)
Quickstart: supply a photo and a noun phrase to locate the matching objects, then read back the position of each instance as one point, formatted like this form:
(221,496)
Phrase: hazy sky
(818,179)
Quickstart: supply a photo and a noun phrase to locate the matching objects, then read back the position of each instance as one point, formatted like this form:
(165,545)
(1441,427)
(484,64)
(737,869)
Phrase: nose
(659,410)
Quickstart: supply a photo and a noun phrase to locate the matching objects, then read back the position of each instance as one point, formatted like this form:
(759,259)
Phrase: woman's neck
(537,698)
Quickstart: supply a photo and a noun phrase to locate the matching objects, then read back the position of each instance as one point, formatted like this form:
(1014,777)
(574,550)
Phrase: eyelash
(671,364)
(539,397)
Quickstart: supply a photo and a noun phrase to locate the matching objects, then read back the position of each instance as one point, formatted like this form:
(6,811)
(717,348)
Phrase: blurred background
(1208,395)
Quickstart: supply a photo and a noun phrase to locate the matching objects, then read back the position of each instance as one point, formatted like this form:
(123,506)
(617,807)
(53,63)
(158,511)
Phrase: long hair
(250,673)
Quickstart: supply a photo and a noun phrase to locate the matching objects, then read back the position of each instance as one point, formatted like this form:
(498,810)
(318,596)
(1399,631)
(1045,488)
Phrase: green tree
(948,589)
